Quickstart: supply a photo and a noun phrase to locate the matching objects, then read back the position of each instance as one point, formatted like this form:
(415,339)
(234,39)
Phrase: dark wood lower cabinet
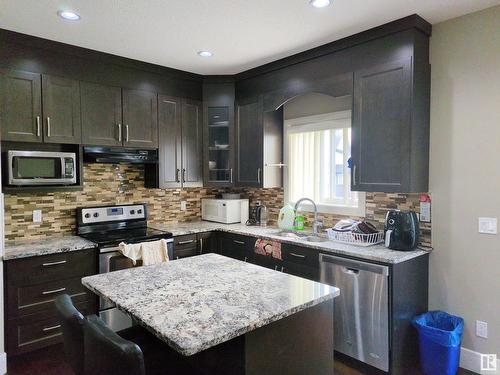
(31,285)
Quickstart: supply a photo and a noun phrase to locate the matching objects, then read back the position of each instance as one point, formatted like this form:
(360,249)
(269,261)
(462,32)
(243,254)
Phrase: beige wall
(465,172)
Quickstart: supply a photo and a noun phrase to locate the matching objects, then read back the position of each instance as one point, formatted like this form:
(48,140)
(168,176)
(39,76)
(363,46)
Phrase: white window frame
(326,120)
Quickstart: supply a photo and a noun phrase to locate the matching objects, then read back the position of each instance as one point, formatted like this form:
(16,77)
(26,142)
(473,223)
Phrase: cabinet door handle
(126,133)
(231,175)
(119,132)
(47,329)
(53,291)
(48,126)
(183,175)
(177,178)
(201,245)
(185,242)
(238,242)
(53,263)
(38,126)
(298,255)
(354,175)
(245,259)
(282,269)
(258,175)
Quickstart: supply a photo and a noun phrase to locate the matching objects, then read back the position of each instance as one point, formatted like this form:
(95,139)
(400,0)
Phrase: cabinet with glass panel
(218,158)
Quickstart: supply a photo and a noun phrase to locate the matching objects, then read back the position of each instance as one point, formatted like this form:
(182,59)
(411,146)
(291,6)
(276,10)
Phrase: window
(317,150)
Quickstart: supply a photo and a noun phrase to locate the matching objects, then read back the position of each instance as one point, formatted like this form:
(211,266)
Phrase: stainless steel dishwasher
(361,321)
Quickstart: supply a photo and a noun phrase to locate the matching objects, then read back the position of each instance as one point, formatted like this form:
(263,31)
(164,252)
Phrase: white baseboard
(471,360)
(3,363)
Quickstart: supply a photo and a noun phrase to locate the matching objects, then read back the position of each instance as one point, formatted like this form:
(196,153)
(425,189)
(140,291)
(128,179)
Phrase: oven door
(41,168)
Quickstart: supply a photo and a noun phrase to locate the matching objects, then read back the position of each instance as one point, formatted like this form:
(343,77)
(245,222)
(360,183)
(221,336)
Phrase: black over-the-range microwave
(31,168)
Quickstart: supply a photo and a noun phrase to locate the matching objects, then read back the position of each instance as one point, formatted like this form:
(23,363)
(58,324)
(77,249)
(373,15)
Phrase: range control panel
(113,213)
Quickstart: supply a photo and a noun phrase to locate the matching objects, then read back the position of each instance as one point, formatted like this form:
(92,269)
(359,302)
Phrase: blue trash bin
(439,336)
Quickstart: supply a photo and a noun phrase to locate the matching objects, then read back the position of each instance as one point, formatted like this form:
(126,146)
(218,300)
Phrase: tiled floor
(50,361)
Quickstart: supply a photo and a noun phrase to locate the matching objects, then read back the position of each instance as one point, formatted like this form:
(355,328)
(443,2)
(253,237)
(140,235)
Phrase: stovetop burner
(114,237)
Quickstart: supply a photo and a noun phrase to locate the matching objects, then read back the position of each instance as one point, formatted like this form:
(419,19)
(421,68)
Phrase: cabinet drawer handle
(47,329)
(238,242)
(38,126)
(54,263)
(53,291)
(298,255)
(185,242)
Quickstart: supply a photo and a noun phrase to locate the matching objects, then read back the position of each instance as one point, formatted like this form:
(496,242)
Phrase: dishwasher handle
(354,266)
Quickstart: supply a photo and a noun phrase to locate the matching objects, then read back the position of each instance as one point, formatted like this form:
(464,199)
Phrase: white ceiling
(242,34)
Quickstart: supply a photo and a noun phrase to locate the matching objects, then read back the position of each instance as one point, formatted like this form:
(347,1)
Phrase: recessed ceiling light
(319,3)
(69,15)
(205,53)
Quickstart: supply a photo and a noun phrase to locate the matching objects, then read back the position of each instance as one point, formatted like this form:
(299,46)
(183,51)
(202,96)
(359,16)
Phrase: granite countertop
(377,253)
(53,245)
(195,303)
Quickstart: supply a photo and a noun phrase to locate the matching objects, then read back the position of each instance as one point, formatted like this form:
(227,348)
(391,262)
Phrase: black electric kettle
(401,230)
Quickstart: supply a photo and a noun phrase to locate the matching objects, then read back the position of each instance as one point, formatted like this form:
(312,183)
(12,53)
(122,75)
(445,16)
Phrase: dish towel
(153,252)
(131,251)
(268,248)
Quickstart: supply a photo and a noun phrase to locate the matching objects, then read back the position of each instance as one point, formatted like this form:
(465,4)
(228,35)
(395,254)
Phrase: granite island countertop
(195,303)
(377,253)
(46,246)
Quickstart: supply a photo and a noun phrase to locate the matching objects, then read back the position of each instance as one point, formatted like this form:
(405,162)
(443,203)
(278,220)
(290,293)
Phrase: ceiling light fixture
(319,3)
(205,53)
(69,15)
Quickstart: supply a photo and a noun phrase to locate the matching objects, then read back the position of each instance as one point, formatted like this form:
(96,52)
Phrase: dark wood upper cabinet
(249,142)
(20,106)
(61,110)
(101,114)
(170,155)
(180,138)
(382,137)
(140,119)
(259,145)
(192,153)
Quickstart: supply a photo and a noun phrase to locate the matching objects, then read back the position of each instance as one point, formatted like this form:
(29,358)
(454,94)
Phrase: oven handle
(114,249)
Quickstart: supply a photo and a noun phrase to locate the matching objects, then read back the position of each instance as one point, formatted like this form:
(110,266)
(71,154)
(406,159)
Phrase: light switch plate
(183,205)
(37,216)
(481,329)
(488,225)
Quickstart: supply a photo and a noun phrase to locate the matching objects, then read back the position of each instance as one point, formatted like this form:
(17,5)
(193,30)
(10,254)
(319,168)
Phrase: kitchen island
(228,316)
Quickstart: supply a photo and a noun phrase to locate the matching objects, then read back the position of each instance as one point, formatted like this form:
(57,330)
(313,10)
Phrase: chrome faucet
(316,222)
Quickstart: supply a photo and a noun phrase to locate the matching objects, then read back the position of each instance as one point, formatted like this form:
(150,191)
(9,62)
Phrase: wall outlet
(481,329)
(37,216)
(183,205)
(487,225)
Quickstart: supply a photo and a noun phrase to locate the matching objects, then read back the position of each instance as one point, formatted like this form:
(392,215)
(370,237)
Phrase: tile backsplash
(124,183)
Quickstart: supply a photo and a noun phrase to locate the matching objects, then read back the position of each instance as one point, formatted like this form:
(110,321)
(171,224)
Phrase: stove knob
(132,212)
(87,216)
(96,214)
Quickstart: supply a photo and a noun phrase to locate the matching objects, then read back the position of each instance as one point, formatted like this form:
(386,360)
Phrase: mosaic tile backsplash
(124,183)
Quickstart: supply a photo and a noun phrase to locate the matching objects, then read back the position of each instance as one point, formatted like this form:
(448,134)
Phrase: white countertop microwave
(226,211)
